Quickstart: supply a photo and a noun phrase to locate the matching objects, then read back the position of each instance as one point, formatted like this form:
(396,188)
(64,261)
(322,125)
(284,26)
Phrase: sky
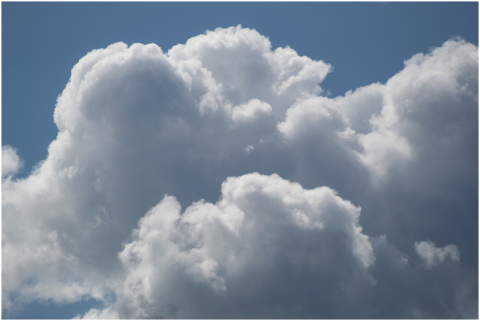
(239,160)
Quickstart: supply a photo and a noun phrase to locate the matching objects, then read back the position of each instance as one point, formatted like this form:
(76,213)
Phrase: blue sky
(365,43)
(108,176)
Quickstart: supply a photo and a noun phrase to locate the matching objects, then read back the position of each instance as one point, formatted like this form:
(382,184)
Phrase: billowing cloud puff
(136,123)
(242,67)
(267,243)
(174,123)
(421,113)
(251,110)
(426,113)
(11,162)
(412,140)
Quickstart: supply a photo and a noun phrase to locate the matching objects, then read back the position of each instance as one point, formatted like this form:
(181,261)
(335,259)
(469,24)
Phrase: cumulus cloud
(225,126)
(251,110)
(174,123)
(426,109)
(412,140)
(11,162)
(242,67)
(265,240)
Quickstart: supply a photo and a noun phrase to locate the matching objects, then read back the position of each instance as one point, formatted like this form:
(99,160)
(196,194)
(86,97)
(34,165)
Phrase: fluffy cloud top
(11,162)
(225,126)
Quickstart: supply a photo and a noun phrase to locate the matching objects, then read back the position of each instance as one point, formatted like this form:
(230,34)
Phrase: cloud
(225,125)
(425,293)
(244,67)
(11,162)
(432,255)
(164,123)
(412,140)
(426,111)
(265,241)
(253,109)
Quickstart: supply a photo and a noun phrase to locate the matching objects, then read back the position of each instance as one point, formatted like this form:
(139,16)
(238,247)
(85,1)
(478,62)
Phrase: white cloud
(427,111)
(422,113)
(136,123)
(250,110)
(242,247)
(164,123)
(432,255)
(244,67)
(11,162)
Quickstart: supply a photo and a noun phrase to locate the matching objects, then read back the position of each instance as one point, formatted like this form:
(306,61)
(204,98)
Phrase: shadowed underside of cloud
(264,249)
(222,127)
